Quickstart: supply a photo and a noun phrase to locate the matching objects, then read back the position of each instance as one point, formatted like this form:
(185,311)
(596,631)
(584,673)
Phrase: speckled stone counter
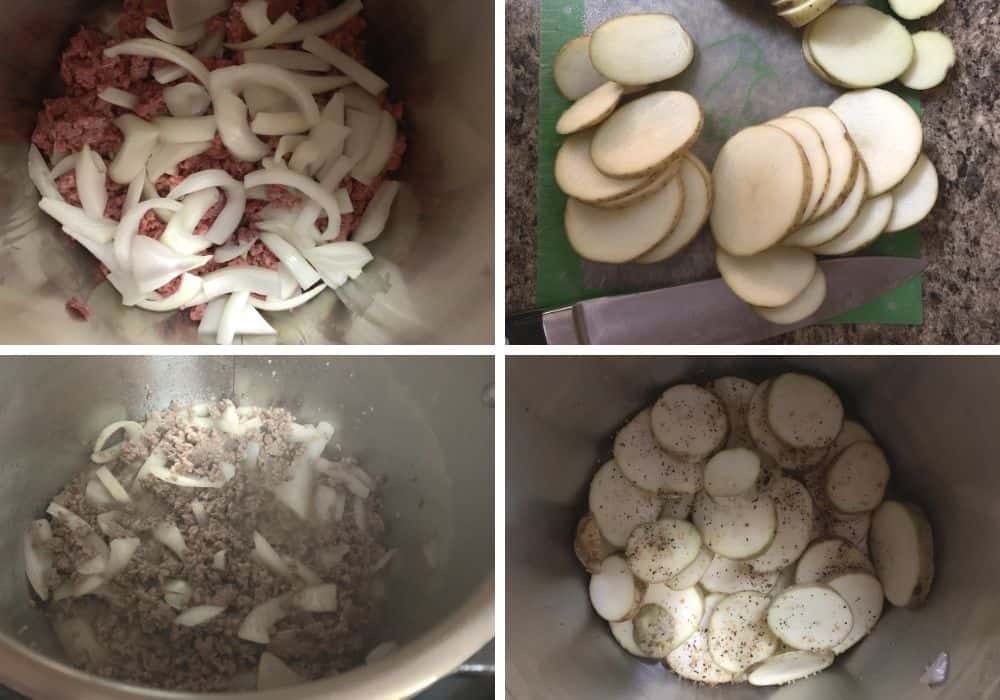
(962,131)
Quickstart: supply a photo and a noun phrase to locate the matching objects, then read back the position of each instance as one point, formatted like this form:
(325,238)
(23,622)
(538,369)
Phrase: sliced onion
(380,150)
(331,138)
(140,141)
(344,200)
(219,560)
(260,98)
(155,460)
(167,534)
(256,280)
(169,73)
(255,16)
(154,48)
(68,518)
(183,480)
(258,193)
(229,218)
(256,626)
(304,184)
(112,484)
(231,113)
(357,98)
(279,123)
(304,572)
(233,250)
(211,46)
(128,228)
(177,593)
(360,515)
(347,65)
(318,599)
(106,519)
(120,553)
(296,492)
(380,652)
(186,129)
(274,35)
(154,264)
(376,216)
(77,637)
(319,84)
(198,615)
(168,156)
(326,23)
(251,455)
(229,318)
(302,433)
(187,13)
(97,495)
(323,501)
(190,288)
(119,98)
(274,673)
(102,455)
(134,194)
(237,78)
(303,272)
(285,58)
(307,159)
(187,100)
(177,37)
(37,564)
(65,165)
(289,285)
(333,556)
(266,555)
(335,109)
(287,145)
(229,421)
(87,585)
(96,231)
(93,566)
(363,128)
(200,516)
(339,262)
(333,174)
(383,561)
(179,234)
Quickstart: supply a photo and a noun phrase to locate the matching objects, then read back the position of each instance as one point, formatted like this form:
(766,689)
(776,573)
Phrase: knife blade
(704,313)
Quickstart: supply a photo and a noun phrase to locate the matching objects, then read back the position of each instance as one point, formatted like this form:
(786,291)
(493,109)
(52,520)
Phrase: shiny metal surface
(437,254)
(708,313)
(936,419)
(420,421)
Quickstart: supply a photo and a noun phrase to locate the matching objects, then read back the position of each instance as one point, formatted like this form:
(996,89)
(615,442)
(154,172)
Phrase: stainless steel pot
(437,254)
(426,423)
(937,420)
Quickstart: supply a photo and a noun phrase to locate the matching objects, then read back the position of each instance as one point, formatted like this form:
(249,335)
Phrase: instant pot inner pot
(421,422)
(936,419)
(436,254)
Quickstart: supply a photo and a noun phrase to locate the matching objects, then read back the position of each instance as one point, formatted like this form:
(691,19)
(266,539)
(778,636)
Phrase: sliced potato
(738,528)
(615,593)
(806,11)
(653,631)
(732,472)
(864,230)
(914,9)
(863,593)
(654,184)
(810,617)
(915,197)
(801,307)
(641,49)
(735,394)
(618,505)
(786,579)
(789,666)
(831,557)
(850,433)
(689,422)
(771,278)
(738,635)
(677,505)
(646,135)
(784,456)
(685,607)
(591,109)
(934,57)
(692,659)
(816,159)
(803,411)
(622,632)
(762,186)
(794,508)
(620,235)
(697,206)
(659,551)
(853,528)
(573,72)
(887,133)
(820,73)
(730,576)
(578,177)
(836,222)
(857,478)
(645,464)
(860,46)
(589,544)
(903,549)
(693,572)
(840,150)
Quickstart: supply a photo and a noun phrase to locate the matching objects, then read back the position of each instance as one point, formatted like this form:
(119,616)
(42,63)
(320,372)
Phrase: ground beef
(84,67)
(67,124)
(78,310)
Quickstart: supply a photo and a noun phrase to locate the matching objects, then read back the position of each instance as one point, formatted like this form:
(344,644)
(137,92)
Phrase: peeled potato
(771,279)
(578,177)
(573,72)
(641,49)
(590,110)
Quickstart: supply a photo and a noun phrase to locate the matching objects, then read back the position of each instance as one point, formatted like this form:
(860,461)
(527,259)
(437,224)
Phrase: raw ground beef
(130,617)
(69,122)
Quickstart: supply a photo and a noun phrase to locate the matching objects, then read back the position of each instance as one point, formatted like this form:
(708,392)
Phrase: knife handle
(526,328)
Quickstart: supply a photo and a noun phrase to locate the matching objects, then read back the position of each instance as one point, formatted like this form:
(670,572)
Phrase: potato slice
(934,57)
(591,109)
(771,278)
(762,185)
(733,472)
(915,197)
(860,46)
(622,632)
(578,177)
(615,593)
(618,505)
(686,607)
(738,635)
(914,9)
(789,666)
(801,307)
(654,184)
(653,631)
(693,572)
(840,150)
(737,528)
(644,136)
(689,422)
(794,507)
(818,70)
(836,222)
(887,133)
(697,206)
(692,659)
(589,544)
(641,49)
(816,158)
(730,576)
(645,464)
(857,479)
(810,617)
(659,551)
(573,72)
(784,456)
(864,230)
(735,394)
(803,411)
(677,505)
(903,549)
(863,593)
(806,11)
(620,235)
(825,559)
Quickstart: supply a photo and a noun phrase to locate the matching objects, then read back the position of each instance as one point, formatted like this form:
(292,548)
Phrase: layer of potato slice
(801,307)
(863,593)
(789,666)
(810,617)
(697,206)
(654,184)
(591,109)
(615,593)
(860,46)
(641,49)
(870,223)
(794,507)
(914,9)
(578,177)
(771,278)
(803,411)
(830,557)
(736,528)
(659,551)
(784,456)
(618,505)
(836,222)
(840,151)
(573,72)
(818,161)
(689,422)
(914,198)
(857,478)
(934,57)
(738,635)
(903,549)
(648,466)
(806,11)
(735,394)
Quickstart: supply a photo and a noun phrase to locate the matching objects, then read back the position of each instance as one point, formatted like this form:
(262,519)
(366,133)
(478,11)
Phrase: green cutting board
(748,70)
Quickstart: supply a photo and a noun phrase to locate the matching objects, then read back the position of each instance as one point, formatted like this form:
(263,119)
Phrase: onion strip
(288,304)
(95,231)
(187,13)
(112,484)
(279,123)
(183,480)
(177,37)
(65,165)
(229,322)
(275,34)
(237,136)
(102,455)
(229,218)
(324,24)
(189,289)
(318,599)
(376,216)
(380,151)
(339,262)
(119,98)
(256,280)
(128,228)
(198,615)
(237,78)
(256,626)
(134,194)
(231,251)
(186,129)
(187,100)
(154,48)
(179,234)
(304,184)
(267,556)
(286,58)
(303,272)
(141,138)
(347,65)
(154,265)
(120,552)
(91,183)
(255,16)
(168,156)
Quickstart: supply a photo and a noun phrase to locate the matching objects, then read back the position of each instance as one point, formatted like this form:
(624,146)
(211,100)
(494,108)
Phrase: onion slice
(256,280)
(219,560)
(255,16)
(376,216)
(279,123)
(177,593)
(112,484)
(275,34)
(339,262)
(167,534)
(231,251)
(179,234)
(256,626)
(120,553)
(141,138)
(380,150)
(102,455)
(177,37)
(237,78)
(65,165)
(198,615)
(155,265)
(344,200)
(128,228)
(37,561)
(326,23)
(285,58)
(273,673)
(134,194)
(166,157)
(119,98)
(187,13)
(186,129)
(229,218)
(200,516)
(303,272)
(288,304)
(189,289)
(231,113)
(319,599)
(347,65)
(187,100)
(99,231)
(164,474)
(267,556)
(304,184)
(154,48)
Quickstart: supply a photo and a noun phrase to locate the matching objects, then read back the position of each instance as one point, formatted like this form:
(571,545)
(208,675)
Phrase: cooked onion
(304,184)
(231,113)
(347,65)
(177,593)
(319,84)
(288,304)
(219,560)
(326,23)
(229,321)
(304,572)
(140,141)
(200,516)
(275,34)
(285,58)
(256,626)
(167,534)
(198,615)
(260,98)
(37,564)
(120,554)
(177,37)
(166,157)
(106,519)
(229,218)
(119,98)
(187,100)
(303,272)
(376,216)
(319,599)
(87,585)
(97,495)
(183,480)
(65,165)
(169,73)
(296,492)
(102,455)
(179,234)
(134,194)
(273,673)
(186,129)
(154,48)
(339,262)
(93,566)
(334,111)
(112,484)
(266,555)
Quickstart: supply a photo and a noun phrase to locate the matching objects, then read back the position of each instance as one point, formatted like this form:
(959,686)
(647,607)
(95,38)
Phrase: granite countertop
(962,132)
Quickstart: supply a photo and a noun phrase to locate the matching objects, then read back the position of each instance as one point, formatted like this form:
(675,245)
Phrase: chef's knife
(703,313)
